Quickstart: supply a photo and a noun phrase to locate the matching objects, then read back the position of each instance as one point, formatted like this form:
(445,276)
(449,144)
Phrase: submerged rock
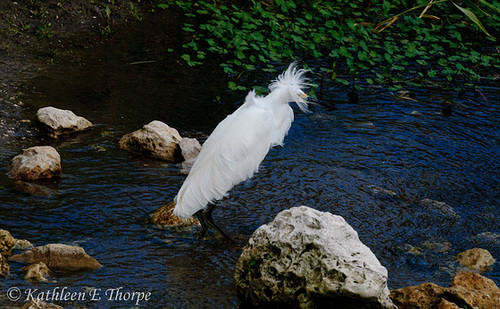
(43,188)
(36,272)
(39,162)
(310,259)
(59,258)
(7,243)
(440,209)
(58,122)
(40,304)
(466,290)
(164,216)
(156,140)
(486,239)
(476,259)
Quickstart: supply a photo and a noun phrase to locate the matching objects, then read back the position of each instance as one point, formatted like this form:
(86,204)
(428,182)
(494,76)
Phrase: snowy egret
(239,143)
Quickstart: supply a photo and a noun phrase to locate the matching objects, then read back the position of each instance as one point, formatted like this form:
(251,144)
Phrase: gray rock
(23,244)
(58,122)
(34,163)
(59,258)
(156,140)
(190,148)
(310,259)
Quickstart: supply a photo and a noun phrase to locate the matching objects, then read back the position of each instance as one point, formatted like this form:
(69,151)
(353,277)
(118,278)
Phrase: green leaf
(422,62)
(343,81)
(362,55)
(491,6)
(472,17)
(386,6)
(442,62)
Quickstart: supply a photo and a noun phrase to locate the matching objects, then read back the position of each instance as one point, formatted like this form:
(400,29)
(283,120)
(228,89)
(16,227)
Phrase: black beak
(320,102)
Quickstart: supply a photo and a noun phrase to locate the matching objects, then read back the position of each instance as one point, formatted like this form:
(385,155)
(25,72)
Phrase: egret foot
(205,217)
(210,220)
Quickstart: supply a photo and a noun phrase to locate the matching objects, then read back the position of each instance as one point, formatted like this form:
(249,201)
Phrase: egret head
(290,86)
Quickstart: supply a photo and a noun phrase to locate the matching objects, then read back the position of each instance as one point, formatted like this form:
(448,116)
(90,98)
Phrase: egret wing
(231,154)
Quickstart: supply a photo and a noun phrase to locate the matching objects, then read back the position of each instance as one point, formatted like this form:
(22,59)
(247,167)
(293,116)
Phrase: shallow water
(372,163)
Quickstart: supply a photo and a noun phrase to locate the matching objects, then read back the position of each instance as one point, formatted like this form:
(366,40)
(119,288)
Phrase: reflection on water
(372,163)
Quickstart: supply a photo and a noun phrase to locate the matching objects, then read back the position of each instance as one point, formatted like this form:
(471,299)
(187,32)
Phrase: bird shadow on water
(179,237)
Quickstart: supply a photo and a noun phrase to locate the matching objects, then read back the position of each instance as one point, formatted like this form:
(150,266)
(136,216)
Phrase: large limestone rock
(58,122)
(34,163)
(466,290)
(156,140)
(476,259)
(59,258)
(310,259)
(7,243)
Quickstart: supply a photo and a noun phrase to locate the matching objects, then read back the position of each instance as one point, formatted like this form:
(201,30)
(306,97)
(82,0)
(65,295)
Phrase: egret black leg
(210,220)
(201,218)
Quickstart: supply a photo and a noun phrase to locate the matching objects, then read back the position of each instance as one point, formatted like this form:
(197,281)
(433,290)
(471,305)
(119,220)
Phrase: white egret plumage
(239,143)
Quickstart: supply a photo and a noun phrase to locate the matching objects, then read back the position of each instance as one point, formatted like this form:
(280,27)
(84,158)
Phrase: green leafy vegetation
(381,42)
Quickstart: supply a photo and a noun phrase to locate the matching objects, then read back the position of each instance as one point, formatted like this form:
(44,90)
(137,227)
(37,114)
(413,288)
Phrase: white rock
(155,139)
(306,258)
(190,148)
(36,163)
(59,122)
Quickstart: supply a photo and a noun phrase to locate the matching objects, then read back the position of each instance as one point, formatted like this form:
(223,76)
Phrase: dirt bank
(35,34)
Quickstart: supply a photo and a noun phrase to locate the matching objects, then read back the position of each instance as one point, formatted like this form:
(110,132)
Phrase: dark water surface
(372,163)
